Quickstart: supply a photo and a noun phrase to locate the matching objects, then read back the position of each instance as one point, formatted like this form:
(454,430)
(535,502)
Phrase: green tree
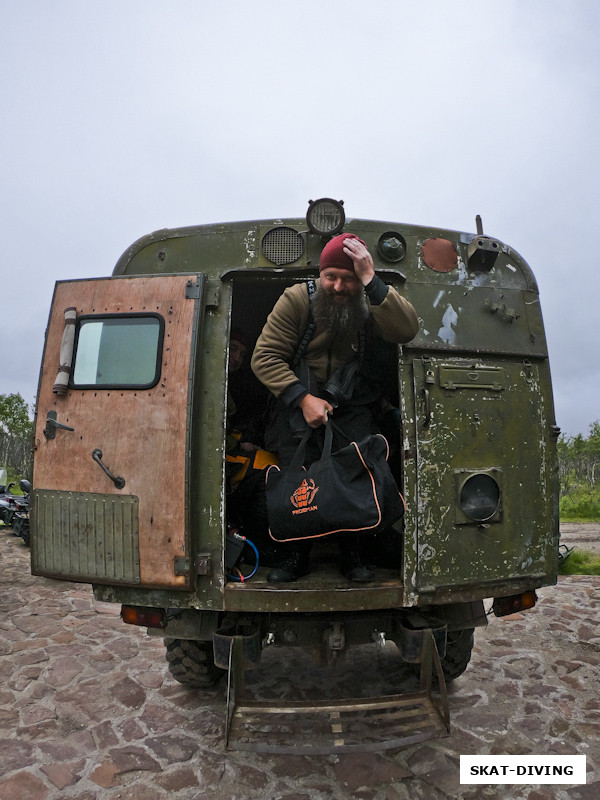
(15,434)
(14,414)
(565,464)
(579,469)
(593,454)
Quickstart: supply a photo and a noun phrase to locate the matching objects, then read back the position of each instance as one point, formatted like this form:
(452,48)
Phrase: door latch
(52,425)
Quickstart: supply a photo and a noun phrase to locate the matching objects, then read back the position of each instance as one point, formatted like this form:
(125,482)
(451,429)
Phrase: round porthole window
(479,497)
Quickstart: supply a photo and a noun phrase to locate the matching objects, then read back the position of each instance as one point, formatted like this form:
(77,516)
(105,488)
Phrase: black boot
(294,566)
(386,549)
(353,567)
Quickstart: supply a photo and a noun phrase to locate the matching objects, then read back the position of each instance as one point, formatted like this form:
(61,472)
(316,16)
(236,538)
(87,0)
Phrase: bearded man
(352,309)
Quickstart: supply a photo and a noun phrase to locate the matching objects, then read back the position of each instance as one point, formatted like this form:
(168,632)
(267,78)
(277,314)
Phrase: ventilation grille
(85,536)
(282,245)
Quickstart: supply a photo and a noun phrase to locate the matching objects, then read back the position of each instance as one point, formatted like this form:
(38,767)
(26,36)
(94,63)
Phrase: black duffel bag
(349,491)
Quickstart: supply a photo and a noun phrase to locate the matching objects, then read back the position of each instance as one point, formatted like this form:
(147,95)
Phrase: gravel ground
(581,535)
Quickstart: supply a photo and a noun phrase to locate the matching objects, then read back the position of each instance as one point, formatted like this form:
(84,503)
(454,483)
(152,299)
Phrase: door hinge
(203,564)
(213,293)
(192,290)
(182,565)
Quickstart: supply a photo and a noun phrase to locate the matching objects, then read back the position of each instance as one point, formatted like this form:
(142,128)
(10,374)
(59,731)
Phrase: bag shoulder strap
(310,327)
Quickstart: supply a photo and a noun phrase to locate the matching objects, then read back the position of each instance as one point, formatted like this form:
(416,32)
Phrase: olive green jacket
(393,319)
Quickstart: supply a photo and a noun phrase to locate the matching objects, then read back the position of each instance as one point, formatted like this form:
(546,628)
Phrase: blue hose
(242,578)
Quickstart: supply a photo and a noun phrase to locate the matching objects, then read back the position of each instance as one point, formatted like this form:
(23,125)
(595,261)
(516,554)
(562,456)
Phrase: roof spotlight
(391,246)
(325,217)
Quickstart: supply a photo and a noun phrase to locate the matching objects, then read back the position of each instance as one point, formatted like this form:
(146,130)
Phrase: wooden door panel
(141,433)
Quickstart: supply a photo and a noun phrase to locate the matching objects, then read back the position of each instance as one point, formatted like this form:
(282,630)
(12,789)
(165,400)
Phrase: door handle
(97,456)
(429,381)
(52,425)
(427,419)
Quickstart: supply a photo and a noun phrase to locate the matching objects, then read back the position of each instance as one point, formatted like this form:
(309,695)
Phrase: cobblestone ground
(88,709)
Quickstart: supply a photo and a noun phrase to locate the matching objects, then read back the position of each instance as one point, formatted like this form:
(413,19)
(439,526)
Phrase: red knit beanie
(333,254)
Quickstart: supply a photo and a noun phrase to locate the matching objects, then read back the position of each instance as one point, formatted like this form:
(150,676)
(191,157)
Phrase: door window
(118,351)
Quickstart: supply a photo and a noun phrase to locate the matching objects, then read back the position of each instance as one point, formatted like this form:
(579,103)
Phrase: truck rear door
(486,467)
(110,497)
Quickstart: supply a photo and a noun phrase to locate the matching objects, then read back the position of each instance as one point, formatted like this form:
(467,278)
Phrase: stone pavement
(88,710)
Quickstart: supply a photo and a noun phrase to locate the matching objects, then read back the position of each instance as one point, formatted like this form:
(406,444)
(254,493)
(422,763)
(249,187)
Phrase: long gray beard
(348,318)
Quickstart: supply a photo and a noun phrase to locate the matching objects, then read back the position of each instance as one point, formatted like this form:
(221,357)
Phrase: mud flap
(353,725)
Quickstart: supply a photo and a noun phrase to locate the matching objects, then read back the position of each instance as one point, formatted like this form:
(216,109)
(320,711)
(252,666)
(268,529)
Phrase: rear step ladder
(358,724)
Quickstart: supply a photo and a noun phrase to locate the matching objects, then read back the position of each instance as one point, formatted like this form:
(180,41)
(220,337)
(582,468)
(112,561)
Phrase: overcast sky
(119,117)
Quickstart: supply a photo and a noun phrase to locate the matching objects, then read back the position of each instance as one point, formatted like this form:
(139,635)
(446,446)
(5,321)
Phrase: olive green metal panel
(87,536)
(213,249)
(477,319)
(474,418)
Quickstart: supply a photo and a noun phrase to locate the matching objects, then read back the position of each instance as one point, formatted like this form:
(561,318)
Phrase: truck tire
(192,663)
(459,645)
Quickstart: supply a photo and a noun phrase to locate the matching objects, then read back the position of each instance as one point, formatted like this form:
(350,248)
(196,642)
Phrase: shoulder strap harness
(311,327)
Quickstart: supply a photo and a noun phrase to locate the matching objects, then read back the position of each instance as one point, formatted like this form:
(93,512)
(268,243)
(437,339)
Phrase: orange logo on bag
(303,496)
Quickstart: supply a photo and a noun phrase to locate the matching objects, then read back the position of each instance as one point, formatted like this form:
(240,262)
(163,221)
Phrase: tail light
(142,615)
(514,602)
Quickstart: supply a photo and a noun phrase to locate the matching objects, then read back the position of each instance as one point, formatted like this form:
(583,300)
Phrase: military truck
(132,397)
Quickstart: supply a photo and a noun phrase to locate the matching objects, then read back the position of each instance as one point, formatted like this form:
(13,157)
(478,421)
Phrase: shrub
(580,562)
